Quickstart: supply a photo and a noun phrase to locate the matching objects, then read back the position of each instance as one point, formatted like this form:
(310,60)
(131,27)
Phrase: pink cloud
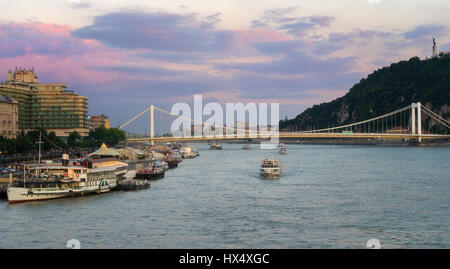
(38,38)
(233,96)
(86,63)
(35,29)
(54,53)
(54,69)
(50,28)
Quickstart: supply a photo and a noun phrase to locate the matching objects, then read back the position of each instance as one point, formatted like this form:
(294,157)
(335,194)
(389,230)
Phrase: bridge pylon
(416,120)
(413,118)
(152,123)
(419,122)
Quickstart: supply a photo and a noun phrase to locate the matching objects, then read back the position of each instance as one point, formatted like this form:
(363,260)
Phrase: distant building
(444,54)
(98,121)
(50,106)
(8,117)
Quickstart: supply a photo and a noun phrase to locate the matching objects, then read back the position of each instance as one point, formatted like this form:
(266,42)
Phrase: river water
(327,197)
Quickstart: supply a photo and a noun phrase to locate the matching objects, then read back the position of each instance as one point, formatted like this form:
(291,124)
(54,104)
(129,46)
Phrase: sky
(125,55)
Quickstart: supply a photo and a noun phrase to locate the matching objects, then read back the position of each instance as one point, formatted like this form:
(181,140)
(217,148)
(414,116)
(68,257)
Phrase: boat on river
(270,169)
(52,181)
(98,173)
(187,153)
(155,172)
(133,185)
(215,146)
(283,150)
(136,159)
(176,155)
(246,147)
(196,151)
(170,156)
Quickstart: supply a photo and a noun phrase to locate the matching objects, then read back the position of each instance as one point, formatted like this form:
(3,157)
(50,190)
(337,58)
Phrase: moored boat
(196,151)
(56,181)
(187,153)
(176,146)
(149,174)
(155,172)
(136,159)
(133,184)
(52,181)
(176,156)
(169,157)
(173,163)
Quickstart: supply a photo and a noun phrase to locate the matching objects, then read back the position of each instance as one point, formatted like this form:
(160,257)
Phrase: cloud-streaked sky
(126,55)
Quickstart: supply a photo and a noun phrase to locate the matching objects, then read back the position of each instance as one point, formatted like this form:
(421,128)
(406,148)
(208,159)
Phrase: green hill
(383,91)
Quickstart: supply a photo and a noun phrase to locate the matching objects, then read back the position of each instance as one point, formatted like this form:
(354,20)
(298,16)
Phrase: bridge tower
(416,117)
(152,123)
(413,118)
(419,122)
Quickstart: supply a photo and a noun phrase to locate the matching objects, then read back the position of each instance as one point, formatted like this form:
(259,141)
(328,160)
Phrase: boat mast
(39,156)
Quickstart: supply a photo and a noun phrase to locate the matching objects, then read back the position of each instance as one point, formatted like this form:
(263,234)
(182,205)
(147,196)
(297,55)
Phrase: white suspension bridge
(415,122)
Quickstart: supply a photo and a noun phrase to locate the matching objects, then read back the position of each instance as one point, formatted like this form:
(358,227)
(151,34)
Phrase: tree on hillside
(74,139)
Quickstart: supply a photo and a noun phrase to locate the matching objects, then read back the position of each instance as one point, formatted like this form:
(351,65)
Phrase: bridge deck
(293,136)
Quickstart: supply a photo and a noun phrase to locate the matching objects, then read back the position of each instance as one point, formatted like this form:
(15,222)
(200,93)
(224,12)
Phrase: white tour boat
(270,168)
(52,181)
(56,181)
(246,147)
(215,146)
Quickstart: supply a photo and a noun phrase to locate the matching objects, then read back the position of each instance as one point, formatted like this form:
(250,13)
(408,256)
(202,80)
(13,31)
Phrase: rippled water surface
(327,197)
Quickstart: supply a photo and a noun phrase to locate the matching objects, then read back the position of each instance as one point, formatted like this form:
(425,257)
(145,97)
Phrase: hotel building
(50,106)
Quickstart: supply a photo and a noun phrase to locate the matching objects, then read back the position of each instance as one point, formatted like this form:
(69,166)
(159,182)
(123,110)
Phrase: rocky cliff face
(443,111)
(342,114)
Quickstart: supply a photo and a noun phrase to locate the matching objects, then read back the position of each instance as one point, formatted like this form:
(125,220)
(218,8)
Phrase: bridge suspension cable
(197,121)
(435,116)
(135,117)
(361,122)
